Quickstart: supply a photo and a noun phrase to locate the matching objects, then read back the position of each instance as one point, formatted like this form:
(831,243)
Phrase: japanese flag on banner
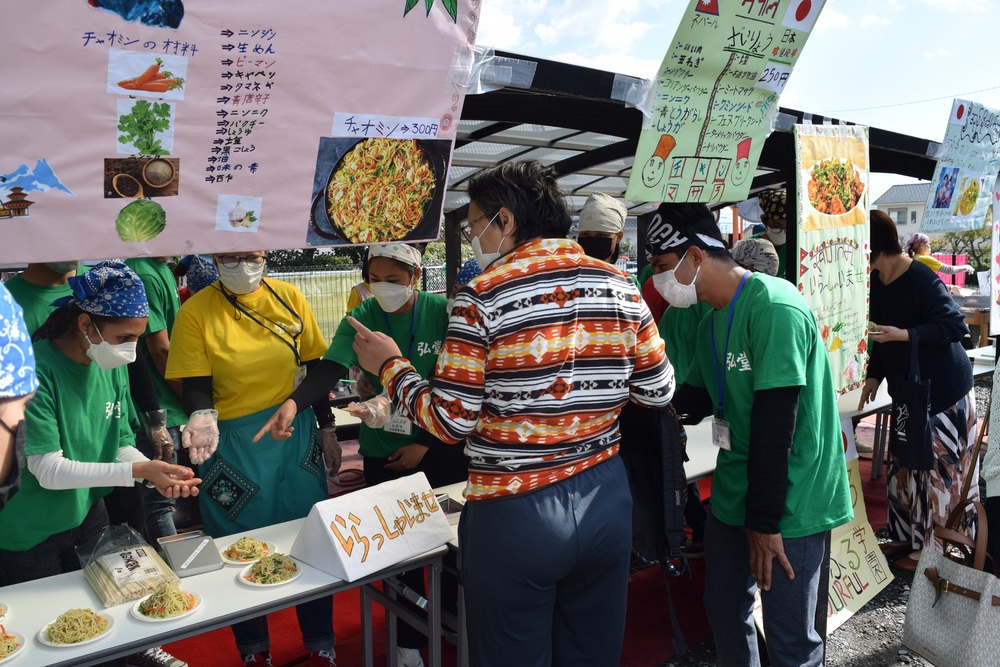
(959,112)
(801,14)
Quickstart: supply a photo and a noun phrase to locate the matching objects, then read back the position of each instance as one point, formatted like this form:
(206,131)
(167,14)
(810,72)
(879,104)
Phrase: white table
(983,361)
(225,601)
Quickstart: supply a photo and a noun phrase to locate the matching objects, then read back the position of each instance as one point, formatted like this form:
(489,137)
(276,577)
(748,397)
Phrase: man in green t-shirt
(780,483)
(154,345)
(38,286)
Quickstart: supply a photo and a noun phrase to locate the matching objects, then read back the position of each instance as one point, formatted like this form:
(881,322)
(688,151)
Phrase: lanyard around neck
(720,372)
(413,325)
(275,328)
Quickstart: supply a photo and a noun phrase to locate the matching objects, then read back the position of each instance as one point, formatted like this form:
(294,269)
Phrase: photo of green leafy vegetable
(140,126)
(140,221)
(451,6)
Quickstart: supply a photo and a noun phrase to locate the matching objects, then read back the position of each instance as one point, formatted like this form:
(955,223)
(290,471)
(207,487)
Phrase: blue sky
(863,60)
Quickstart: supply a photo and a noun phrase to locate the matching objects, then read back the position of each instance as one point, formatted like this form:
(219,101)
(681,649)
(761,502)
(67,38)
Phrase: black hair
(530,191)
(63,320)
(885,237)
(364,264)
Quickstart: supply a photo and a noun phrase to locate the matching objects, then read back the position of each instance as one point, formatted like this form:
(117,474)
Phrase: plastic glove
(363,387)
(375,413)
(155,424)
(332,455)
(967,268)
(201,435)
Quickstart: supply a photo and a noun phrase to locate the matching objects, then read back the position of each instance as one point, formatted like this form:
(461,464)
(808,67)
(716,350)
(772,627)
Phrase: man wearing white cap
(602,227)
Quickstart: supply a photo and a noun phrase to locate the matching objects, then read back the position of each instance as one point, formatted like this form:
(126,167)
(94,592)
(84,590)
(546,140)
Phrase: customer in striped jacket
(543,350)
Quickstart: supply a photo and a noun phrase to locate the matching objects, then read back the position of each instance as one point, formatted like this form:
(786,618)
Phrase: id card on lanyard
(398,422)
(720,427)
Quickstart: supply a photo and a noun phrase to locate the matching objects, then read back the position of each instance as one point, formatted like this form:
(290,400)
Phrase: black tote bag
(910,438)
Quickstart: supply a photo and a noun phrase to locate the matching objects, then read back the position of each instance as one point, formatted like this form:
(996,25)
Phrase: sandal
(907,563)
(895,550)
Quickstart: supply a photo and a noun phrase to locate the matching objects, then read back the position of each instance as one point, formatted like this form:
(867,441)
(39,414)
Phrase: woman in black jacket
(909,305)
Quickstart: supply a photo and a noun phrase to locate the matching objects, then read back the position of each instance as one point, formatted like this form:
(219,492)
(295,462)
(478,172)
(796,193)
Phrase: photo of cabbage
(140,221)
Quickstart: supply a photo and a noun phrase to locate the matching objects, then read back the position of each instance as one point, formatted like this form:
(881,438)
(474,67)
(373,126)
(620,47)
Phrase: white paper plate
(4,612)
(142,617)
(19,638)
(222,552)
(245,572)
(43,634)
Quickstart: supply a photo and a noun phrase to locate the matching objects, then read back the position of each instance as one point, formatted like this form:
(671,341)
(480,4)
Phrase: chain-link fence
(327,289)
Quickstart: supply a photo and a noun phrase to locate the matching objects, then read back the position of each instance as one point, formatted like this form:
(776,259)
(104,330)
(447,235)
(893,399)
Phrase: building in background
(905,205)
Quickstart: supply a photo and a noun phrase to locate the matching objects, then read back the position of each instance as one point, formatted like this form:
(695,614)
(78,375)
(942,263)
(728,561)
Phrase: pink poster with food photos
(164,127)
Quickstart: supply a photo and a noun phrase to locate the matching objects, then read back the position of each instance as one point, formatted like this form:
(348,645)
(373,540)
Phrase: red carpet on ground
(648,632)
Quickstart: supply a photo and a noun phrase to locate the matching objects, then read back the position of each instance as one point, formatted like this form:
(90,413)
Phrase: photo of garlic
(238,217)
(238,213)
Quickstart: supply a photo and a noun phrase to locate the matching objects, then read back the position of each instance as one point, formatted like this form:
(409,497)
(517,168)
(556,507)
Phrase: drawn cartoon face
(740,171)
(652,171)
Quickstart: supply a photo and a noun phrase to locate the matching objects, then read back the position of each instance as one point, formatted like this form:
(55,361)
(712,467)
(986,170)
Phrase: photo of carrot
(153,80)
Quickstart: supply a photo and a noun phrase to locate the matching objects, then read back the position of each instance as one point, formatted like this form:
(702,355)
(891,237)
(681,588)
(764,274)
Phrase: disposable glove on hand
(375,412)
(154,423)
(201,435)
(363,387)
(332,455)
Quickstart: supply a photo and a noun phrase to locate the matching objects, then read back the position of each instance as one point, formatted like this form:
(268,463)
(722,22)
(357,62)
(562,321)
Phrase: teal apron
(247,485)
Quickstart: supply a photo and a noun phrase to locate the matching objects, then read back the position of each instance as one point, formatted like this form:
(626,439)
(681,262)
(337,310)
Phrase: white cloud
(965,6)
(939,53)
(871,19)
(830,19)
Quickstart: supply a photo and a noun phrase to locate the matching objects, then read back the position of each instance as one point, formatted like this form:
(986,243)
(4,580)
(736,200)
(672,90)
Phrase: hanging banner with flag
(966,170)
(715,97)
(832,167)
(168,127)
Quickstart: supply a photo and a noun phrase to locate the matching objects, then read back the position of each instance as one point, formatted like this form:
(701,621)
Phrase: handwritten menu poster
(174,126)
(715,98)
(966,170)
(833,276)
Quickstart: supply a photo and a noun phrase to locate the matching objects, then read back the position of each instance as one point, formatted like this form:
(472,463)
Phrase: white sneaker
(408,657)
(155,657)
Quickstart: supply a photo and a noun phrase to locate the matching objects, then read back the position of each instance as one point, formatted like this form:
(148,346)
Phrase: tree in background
(975,243)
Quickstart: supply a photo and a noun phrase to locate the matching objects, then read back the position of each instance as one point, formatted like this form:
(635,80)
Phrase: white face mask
(676,294)
(390,296)
(486,258)
(243,279)
(776,235)
(108,356)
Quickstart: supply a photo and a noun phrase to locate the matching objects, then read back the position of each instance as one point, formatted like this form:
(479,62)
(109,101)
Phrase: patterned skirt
(247,485)
(921,500)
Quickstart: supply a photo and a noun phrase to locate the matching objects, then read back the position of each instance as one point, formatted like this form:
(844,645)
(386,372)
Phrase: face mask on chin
(62,268)
(390,296)
(485,258)
(242,279)
(776,235)
(675,293)
(108,356)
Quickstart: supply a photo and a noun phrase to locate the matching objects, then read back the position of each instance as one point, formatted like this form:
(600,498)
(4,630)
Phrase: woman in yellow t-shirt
(239,347)
(919,248)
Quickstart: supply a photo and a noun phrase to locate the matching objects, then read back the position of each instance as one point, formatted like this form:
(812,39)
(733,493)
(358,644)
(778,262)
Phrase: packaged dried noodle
(120,566)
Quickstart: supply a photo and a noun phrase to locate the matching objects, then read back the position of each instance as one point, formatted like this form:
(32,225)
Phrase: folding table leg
(367,659)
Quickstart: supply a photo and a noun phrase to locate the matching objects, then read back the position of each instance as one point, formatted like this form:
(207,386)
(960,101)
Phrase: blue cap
(17,359)
(468,271)
(110,289)
(201,273)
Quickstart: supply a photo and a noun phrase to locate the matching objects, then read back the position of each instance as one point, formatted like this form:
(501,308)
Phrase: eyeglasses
(466,227)
(232,261)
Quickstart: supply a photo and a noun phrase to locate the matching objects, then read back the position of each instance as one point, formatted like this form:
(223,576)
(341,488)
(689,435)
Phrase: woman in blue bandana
(79,442)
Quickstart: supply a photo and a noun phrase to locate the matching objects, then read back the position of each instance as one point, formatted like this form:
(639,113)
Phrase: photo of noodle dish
(970,195)
(11,643)
(835,186)
(272,570)
(377,190)
(167,603)
(76,627)
(246,550)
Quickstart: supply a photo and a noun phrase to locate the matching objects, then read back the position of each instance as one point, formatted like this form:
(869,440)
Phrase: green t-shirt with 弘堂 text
(164,302)
(428,337)
(774,342)
(85,412)
(679,330)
